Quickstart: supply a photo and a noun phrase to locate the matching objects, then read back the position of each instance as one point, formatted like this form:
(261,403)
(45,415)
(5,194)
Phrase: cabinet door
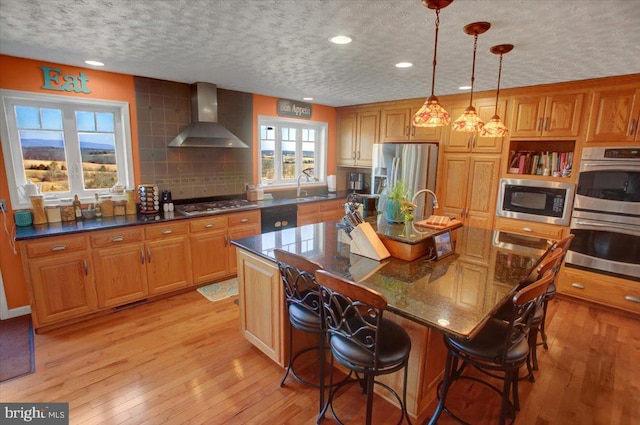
(368,133)
(527,116)
(486,109)
(238,233)
(614,116)
(62,287)
(457,141)
(453,193)
(424,134)
(482,189)
(120,274)
(261,301)
(347,130)
(395,125)
(168,264)
(563,114)
(331,210)
(209,255)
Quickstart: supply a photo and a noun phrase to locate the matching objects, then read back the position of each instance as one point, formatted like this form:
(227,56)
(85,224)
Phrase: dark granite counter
(104,223)
(455,294)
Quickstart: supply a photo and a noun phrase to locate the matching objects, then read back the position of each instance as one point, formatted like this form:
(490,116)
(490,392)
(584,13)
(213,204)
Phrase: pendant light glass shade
(469,121)
(432,114)
(495,127)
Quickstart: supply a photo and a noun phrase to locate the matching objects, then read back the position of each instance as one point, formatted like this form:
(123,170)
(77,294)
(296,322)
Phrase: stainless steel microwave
(536,200)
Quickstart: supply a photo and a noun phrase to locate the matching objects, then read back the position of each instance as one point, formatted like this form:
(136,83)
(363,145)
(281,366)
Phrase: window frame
(322,141)
(11,143)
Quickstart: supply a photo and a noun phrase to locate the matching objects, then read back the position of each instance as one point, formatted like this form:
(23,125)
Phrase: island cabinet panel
(241,225)
(261,300)
(615,115)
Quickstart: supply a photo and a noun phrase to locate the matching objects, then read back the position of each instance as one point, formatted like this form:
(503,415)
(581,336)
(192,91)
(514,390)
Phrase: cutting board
(438,224)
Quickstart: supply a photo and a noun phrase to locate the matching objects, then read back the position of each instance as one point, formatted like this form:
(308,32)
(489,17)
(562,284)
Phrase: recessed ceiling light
(94,63)
(307,98)
(340,39)
(464,88)
(404,65)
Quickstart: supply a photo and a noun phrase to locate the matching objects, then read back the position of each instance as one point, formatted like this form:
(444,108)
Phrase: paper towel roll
(331,183)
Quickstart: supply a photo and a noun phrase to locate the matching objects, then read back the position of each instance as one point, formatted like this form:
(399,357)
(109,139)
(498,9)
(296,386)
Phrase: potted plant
(395,198)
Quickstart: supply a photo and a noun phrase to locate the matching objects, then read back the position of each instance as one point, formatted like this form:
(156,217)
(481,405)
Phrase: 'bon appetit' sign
(291,108)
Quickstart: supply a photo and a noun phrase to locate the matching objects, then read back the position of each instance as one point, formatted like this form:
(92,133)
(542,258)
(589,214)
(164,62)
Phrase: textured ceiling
(279,47)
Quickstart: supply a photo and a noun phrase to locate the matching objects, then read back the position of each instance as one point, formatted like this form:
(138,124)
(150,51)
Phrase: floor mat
(221,290)
(16,347)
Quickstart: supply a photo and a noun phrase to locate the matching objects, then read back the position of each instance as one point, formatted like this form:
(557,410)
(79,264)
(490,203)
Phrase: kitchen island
(455,295)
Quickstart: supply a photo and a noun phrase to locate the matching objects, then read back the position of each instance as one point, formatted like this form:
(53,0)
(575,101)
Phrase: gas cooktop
(203,208)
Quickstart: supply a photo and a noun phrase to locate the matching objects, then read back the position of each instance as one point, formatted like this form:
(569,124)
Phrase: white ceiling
(279,47)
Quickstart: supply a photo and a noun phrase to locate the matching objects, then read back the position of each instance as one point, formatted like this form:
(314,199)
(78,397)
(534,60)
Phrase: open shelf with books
(542,159)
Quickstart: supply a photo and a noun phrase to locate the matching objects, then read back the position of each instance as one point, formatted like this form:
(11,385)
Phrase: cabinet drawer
(51,246)
(602,289)
(310,208)
(549,231)
(244,218)
(115,237)
(208,224)
(158,231)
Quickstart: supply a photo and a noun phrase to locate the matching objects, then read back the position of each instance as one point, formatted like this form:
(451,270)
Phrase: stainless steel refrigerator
(413,163)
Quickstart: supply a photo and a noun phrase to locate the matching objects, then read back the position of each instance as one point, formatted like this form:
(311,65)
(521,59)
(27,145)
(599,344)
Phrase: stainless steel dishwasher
(279,217)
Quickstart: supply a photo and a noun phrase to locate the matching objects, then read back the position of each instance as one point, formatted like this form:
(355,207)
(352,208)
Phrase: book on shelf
(539,162)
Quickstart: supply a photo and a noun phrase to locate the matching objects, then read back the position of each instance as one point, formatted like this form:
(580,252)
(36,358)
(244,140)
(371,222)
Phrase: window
(287,147)
(65,145)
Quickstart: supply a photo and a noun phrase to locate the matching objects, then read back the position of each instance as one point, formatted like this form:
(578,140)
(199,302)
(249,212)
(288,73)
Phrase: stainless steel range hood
(204,130)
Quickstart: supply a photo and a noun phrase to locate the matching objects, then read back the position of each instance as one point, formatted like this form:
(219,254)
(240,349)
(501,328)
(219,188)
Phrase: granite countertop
(455,294)
(105,223)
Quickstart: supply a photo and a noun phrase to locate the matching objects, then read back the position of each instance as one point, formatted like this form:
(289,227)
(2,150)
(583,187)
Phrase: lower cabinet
(530,228)
(318,212)
(60,278)
(167,257)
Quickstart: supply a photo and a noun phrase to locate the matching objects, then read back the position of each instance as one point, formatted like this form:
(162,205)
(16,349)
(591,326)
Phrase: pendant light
(495,127)
(469,121)
(432,114)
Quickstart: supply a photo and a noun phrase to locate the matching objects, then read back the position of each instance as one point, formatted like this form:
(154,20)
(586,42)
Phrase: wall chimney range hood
(204,130)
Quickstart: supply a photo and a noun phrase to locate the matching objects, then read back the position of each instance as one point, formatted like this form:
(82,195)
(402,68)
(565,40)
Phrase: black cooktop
(202,208)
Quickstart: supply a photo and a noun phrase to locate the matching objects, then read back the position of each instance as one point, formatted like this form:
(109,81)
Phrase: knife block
(365,242)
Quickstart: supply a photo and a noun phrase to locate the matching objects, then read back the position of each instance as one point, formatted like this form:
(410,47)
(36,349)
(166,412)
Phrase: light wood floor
(183,360)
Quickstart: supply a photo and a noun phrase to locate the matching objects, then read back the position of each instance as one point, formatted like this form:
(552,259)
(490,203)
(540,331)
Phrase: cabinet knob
(539,127)
(148,255)
(141,256)
(578,285)
(208,225)
(86,268)
(244,220)
(546,124)
(632,298)
(632,127)
(117,239)
(58,248)
(406,131)
(167,232)
(527,229)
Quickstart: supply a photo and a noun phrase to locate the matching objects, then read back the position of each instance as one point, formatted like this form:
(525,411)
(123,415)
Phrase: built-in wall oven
(606,213)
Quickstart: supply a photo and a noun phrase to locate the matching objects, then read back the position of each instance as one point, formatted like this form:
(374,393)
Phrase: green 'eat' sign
(53,81)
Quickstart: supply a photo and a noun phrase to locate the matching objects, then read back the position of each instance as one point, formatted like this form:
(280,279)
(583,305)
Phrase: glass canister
(67,212)
(119,205)
(131,203)
(53,213)
(107,206)
(37,205)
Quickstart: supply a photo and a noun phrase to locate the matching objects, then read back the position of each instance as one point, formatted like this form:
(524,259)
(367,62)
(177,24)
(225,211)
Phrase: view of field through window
(46,146)
(293,144)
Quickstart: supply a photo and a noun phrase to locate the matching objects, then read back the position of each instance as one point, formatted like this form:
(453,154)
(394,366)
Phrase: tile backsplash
(164,109)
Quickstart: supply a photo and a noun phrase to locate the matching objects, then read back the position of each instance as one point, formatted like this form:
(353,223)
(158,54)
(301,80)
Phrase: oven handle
(611,165)
(618,228)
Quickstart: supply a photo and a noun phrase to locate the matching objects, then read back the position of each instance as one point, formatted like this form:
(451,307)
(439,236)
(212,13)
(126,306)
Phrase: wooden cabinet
(557,115)
(318,212)
(212,255)
(602,289)
(167,249)
(530,228)
(615,115)
(60,278)
(460,141)
(119,259)
(397,126)
(357,132)
(468,186)
(262,306)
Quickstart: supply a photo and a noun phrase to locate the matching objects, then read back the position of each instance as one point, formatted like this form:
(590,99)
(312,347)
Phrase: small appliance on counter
(356,183)
(255,193)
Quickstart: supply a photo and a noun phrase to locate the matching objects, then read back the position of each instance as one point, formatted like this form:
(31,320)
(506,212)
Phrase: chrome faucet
(435,199)
(308,173)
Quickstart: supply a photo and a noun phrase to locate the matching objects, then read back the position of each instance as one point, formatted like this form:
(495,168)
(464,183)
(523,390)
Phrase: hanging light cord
(498,89)
(435,52)
(473,66)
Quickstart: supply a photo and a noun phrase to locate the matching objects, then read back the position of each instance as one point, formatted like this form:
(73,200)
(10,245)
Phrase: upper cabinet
(614,115)
(546,116)
(397,126)
(357,132)
(460,141)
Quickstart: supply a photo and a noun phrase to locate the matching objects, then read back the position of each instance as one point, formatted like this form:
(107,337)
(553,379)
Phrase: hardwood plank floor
(182,360)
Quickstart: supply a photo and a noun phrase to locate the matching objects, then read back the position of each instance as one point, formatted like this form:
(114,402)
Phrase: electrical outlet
(3,204)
